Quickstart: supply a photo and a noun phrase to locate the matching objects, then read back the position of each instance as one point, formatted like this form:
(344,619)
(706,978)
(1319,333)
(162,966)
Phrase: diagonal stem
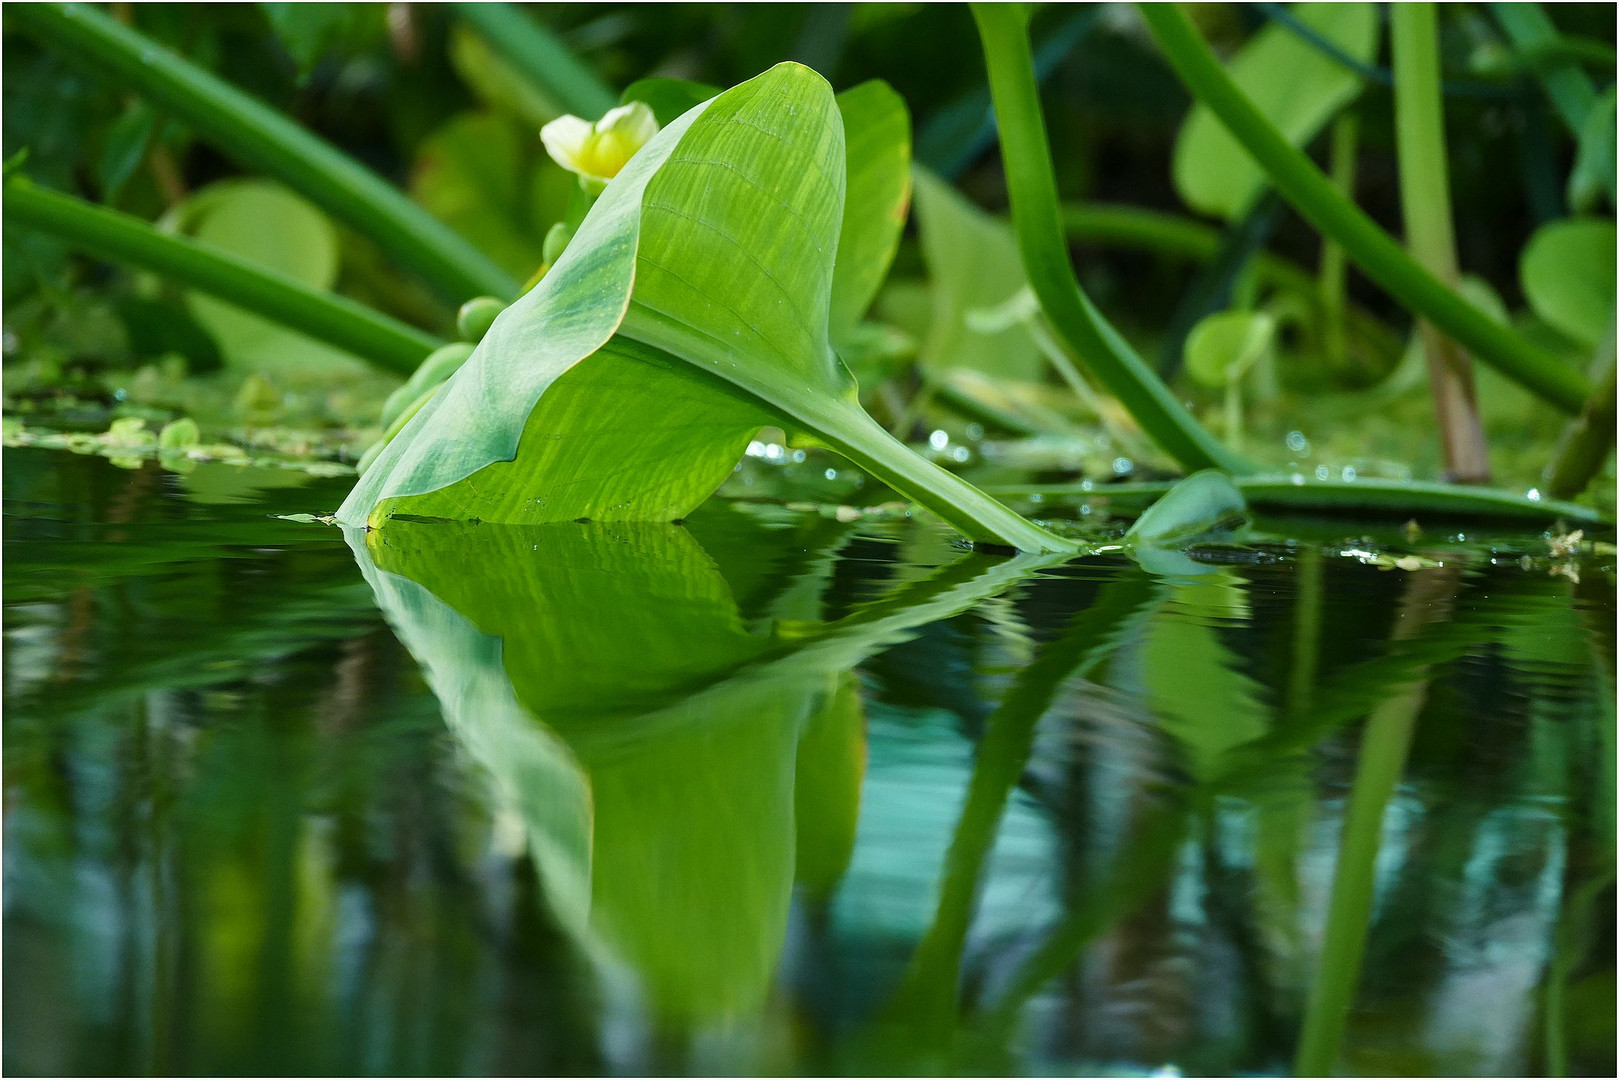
(1373,250)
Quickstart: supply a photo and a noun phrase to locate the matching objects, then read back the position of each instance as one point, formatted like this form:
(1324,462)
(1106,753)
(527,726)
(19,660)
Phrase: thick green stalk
(259,137)
(1419,122)
(537,53)
(1588,440)
(1372,249)
(1037,216)
(109,234)
(1333,278)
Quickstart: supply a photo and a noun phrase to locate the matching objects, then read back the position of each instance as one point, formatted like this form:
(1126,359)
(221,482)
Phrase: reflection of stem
(1425,200)
(928,996)
(1306,633)
(1349,914)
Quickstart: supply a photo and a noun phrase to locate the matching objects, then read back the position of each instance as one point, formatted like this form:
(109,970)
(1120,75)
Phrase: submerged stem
(106,233)
(1372,249)
(1037,218)
(262,138)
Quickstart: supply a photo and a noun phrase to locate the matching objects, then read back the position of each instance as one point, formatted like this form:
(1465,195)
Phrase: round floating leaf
(1223,346)
(1567,272)
(1202,503)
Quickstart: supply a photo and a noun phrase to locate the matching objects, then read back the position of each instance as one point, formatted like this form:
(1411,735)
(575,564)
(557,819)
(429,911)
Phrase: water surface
(778,793)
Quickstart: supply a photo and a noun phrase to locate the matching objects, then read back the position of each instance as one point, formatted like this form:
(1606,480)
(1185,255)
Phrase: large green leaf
(1296,85)
(708,263)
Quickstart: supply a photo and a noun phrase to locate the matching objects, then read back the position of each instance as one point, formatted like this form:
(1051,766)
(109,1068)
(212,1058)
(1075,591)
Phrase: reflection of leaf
(973,263)
(1195,688)
(1293,83)
(831,768)
(726,225)
(1567,271)
(663,774)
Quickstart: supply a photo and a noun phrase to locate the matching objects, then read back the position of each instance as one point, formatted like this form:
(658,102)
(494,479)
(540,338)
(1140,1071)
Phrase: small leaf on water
(181,434)
(1202,503)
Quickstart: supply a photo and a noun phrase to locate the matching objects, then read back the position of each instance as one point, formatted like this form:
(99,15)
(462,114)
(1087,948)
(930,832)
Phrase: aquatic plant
(712,279)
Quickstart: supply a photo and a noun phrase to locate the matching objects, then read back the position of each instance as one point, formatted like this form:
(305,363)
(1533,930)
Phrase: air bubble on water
(939,440)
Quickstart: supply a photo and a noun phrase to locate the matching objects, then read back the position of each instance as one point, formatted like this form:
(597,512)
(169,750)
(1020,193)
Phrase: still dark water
(774,793)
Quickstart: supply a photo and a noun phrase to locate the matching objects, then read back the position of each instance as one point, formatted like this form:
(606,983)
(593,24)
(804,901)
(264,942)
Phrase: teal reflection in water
(774,793)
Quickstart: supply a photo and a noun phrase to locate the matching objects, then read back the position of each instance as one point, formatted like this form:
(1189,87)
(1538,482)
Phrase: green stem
(261,138)
(1332,278)
(1037,217)
(109,234)
(1534,35)
(1419,120)
(1372,249)
(1589,438)
(538,54)
(1369,495)
(1182,237)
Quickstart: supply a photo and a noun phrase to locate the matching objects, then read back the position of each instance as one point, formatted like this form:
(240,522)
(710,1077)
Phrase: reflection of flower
(596,152)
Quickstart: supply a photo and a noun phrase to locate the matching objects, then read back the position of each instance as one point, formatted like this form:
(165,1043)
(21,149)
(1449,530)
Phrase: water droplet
(939,440)
(799,455)
(960,453)
(1533,495)
(1122,465)
(1349,473)
(975,432)
(1323,473)
(831,474)
(1297,443)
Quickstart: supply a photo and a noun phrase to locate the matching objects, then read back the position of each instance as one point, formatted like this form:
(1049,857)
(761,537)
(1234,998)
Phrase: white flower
(596,152)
